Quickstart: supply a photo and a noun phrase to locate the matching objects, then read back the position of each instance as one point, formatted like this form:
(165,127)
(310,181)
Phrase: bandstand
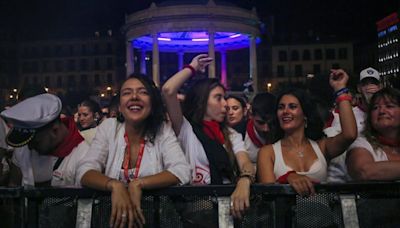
(191,28)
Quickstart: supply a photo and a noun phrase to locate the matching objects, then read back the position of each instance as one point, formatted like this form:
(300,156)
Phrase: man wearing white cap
(368,85)
(36,122)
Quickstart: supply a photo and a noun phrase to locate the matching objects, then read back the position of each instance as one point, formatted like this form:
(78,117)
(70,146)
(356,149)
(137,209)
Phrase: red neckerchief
(388,142)
(252,133)
(126,164)
(71,141)
(213,130)
(329,121)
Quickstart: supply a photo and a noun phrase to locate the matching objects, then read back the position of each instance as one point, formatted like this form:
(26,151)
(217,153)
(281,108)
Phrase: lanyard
(127,158)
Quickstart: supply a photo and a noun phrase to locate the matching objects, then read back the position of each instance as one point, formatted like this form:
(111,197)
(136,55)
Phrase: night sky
(341,19)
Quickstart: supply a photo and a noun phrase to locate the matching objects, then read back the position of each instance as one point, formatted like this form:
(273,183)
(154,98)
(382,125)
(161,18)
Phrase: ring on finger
(231,203)
(123,215)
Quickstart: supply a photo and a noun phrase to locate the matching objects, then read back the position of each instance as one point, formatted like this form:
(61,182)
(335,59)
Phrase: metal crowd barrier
(345,205)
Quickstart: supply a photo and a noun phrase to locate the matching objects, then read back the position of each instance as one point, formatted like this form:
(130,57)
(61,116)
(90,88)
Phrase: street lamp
(109,88)
(269,85)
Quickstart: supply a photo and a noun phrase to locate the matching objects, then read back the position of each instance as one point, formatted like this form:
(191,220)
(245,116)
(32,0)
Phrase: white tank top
(317,171)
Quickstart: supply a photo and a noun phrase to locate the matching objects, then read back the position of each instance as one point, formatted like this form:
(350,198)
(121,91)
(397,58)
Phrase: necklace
(300,154)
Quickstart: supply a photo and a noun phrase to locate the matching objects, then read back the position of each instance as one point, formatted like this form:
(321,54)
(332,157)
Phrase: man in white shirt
(36,122)
(368,85)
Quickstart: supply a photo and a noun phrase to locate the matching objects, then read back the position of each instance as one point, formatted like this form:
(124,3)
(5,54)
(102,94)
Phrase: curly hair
(388,94)
(157,115)
(314,121)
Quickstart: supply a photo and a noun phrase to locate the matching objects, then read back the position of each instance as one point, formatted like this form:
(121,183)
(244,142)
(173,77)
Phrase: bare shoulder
(266,151)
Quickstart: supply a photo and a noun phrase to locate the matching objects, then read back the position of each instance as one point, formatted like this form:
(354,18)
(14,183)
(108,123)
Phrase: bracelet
(107,182)
(343,98)
(249,176)
(341,91)
(283,179)
(190,68)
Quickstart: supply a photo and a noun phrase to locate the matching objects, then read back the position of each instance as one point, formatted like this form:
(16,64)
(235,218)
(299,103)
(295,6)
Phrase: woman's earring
(305,122)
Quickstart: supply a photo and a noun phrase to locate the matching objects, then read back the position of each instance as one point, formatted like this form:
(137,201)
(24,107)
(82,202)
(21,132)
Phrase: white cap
(369,73)
(29,115)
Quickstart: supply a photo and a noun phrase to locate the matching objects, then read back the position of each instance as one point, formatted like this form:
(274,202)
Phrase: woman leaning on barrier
(136,151)
(300,156)
(216,152)
(376,156)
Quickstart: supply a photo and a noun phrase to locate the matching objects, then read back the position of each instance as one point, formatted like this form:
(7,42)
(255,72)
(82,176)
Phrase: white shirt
(39,168)
(196,155)
(107,150)
(316,172)
(251,147)
(337,170)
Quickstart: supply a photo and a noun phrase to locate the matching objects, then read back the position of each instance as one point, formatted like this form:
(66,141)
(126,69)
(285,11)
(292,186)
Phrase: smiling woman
(134,152)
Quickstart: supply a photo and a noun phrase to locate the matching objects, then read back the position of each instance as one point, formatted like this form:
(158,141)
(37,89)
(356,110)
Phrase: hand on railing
(135,193)
(240,198)
(303,185)
(121,206)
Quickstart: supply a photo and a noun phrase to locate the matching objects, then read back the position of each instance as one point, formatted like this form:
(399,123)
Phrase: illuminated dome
(191,28)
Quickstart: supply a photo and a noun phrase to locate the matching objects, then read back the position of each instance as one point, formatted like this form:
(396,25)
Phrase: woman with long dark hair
(216,152)
(135,151)
(301,154)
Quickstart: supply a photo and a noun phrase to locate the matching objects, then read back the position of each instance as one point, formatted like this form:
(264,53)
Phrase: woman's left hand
(240,201)
(338,79)
(135,193)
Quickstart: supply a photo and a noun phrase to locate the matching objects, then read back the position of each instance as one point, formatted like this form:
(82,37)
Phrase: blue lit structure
(191,28)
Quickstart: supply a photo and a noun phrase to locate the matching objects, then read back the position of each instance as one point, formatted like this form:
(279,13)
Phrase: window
(59,66)
(84,80)
(318,54)
(59,81)
(83,64)
(294,56)
(316,69)
(280,71)
(45,66)
(96,64)
(71,81)
(282,55)
(330,53)
(71,64)
(83,49)
(306,54)
(342,53)
(109,64)
(47,81)
(109,78)
(298,70)
(109,48)
(96,49)
(97,79)
(71,50)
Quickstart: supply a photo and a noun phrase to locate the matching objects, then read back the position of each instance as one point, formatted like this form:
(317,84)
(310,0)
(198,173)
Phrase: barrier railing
(344,205)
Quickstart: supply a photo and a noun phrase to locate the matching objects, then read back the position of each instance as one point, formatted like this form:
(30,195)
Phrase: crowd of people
(155,139)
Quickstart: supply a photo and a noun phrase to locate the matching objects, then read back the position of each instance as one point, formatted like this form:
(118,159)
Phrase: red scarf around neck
(252,133)
(213,130)
(71,141)
(388,142)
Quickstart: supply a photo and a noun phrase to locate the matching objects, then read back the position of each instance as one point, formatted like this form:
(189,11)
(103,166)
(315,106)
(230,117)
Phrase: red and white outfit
(196,155)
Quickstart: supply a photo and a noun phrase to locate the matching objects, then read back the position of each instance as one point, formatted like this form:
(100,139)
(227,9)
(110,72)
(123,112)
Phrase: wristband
(343,98)
(283,179)
(341,91)
(190,68)
(250,176)
(107,182)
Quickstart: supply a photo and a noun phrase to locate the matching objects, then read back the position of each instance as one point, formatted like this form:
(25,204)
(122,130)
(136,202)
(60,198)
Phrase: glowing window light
(235,35)
(163,39)
(199,39)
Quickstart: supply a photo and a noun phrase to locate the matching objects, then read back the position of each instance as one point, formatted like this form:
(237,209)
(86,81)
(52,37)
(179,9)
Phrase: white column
(130,61)
(224,80)
(143,62)
(180,60)
(253,63)
(156,60)
(211,53)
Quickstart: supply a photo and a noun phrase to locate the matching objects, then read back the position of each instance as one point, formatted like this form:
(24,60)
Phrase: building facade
(388,49)
(296,63)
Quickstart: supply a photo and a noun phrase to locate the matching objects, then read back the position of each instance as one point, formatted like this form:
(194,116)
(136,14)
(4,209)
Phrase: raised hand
(338,79)
(200,62)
